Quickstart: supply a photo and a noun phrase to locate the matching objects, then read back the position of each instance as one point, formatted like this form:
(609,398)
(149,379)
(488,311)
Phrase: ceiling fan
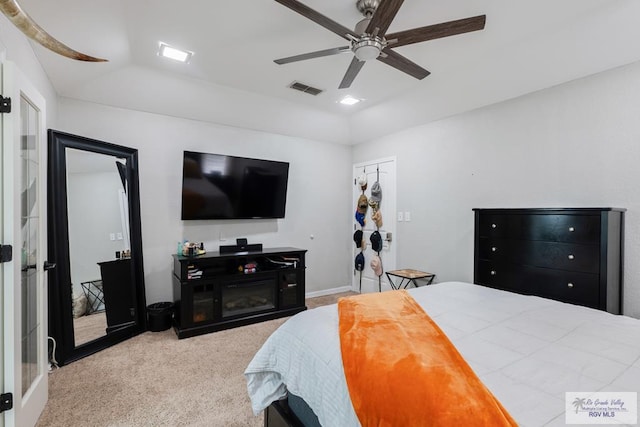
(369,39)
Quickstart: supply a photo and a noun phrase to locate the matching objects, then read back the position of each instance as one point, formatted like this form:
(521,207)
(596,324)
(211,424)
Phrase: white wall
(574,145)
(94,213)
(318,202)
(143,89)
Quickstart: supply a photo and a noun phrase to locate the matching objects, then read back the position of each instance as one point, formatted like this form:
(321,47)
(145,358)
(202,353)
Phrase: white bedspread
(527,350)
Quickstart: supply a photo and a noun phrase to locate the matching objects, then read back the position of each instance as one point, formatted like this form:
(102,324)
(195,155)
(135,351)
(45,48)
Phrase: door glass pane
(29,219)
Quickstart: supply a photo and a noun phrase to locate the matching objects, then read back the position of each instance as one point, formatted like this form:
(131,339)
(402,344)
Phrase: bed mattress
(527,350)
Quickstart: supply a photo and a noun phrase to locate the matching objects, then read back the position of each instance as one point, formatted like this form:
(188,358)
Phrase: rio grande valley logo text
(601,407)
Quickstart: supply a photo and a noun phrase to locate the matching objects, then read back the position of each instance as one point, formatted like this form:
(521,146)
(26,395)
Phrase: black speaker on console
(241,246)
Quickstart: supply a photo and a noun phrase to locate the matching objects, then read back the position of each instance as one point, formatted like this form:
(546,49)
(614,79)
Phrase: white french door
(24,366)
(383,171)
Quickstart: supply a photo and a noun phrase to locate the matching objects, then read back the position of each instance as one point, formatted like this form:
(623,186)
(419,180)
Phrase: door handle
(49,265)
(6,253)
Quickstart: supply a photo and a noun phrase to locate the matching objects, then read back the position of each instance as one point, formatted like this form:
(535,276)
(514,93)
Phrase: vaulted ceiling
(525,46)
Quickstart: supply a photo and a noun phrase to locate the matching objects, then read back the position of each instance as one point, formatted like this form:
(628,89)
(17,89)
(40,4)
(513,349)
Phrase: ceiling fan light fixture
(366,53)
(368,47)
(176,54)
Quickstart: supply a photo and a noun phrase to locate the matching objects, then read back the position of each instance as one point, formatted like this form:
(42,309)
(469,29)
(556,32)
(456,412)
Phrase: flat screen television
(217,186)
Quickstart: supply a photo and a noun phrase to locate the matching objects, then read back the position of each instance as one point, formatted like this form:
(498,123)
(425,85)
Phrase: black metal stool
(408,276)
(95,297)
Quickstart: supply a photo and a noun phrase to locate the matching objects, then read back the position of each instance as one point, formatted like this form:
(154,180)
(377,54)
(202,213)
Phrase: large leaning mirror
(96,295)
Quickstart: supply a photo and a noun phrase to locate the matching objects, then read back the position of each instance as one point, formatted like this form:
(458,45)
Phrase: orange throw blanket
(402,370)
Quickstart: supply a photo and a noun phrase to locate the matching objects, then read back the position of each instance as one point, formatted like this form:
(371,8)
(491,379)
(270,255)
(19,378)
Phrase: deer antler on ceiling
(32,30)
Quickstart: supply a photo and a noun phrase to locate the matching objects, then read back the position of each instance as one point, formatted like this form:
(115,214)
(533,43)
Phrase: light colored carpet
(89,327)
(155,379)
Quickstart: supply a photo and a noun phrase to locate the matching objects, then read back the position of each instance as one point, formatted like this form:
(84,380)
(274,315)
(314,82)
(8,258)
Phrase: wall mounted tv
(217,186)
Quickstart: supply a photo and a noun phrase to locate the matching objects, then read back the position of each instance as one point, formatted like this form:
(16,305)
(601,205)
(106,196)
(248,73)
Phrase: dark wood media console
(218,291)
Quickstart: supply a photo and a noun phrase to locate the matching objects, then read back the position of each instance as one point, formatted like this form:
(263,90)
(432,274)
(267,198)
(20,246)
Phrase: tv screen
(216,186)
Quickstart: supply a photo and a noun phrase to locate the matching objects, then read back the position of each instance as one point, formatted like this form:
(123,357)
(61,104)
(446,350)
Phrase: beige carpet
(89,327)
(155,379)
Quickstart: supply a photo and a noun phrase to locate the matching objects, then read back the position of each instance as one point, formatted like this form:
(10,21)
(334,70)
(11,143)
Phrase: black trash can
(159,316)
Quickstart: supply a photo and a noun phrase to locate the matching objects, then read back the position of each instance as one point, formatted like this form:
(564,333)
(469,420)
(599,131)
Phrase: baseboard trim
(328,292)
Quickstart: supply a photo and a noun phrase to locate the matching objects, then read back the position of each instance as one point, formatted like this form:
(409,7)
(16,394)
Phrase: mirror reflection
(99,244)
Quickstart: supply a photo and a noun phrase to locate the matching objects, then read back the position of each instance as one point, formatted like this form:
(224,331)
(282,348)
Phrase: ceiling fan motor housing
(367,46)
(361,27)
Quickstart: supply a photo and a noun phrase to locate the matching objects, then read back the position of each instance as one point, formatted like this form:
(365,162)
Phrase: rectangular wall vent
(305,88)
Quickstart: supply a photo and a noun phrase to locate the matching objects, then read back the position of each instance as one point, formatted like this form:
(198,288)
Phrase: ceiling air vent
(305,88)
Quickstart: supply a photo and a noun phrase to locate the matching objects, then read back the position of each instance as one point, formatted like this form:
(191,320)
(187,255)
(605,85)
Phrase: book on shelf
(193,272)
(284,263)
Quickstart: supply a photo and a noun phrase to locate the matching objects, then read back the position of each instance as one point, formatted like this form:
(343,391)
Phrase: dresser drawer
(567,286)
(583,229)
(564,256)
(496,225)
(498,274)
(571,287)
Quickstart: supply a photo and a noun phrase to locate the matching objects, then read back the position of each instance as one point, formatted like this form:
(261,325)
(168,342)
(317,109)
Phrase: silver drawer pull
(493,249)
(493,272)
(494,225)
(572,229)
(571,257)
(570,285)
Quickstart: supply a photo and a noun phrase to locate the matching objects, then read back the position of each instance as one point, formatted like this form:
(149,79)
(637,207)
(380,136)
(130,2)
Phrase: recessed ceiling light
(349,100)
(174,53)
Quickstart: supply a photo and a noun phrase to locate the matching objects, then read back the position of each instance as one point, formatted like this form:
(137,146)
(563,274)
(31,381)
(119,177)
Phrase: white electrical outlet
(400,217)
(407,216)
(119,236)
(112,236)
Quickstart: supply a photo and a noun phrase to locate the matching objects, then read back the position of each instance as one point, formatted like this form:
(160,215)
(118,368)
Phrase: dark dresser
(573,255)
(118,288)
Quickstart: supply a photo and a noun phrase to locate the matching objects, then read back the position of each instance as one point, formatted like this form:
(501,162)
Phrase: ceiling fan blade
(311,55)
(437,31)
(403,64)
(352,72)
(318,18)
(383,16)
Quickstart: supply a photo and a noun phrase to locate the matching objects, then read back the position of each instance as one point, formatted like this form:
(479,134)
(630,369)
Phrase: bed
(526,349)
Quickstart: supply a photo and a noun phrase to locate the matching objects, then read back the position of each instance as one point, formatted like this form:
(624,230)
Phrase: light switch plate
(407,216)
(400,216)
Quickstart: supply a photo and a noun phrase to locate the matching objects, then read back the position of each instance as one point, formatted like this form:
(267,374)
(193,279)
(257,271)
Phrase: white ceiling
(525,46)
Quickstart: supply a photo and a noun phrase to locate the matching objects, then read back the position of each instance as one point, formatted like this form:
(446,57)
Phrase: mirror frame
(60,298)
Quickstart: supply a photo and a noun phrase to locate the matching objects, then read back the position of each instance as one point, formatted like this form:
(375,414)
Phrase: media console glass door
(204,302)
(241,298)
